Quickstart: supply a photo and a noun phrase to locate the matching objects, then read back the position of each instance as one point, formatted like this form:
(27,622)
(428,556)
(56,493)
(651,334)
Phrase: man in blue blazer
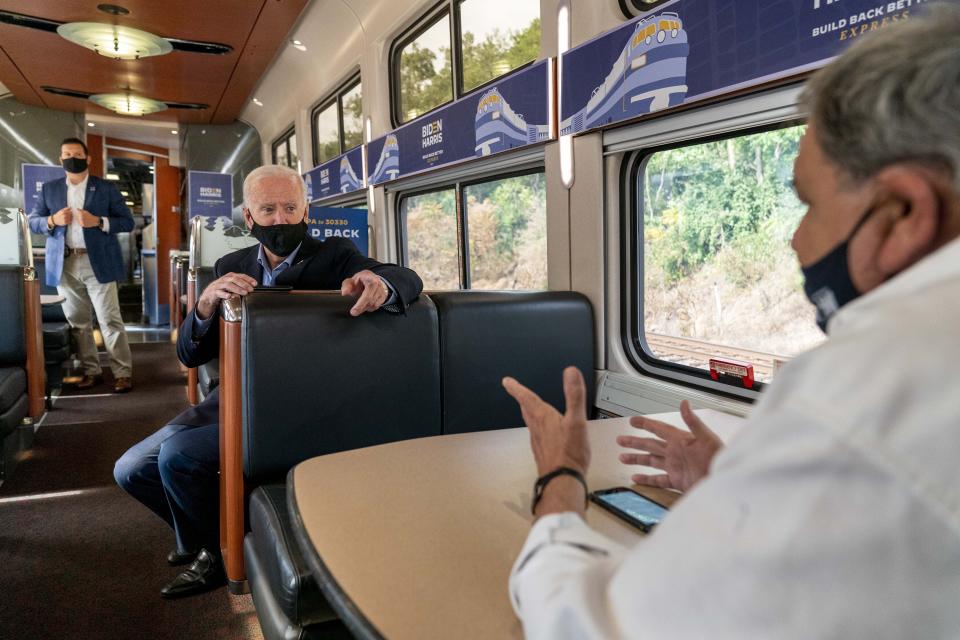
(81,216)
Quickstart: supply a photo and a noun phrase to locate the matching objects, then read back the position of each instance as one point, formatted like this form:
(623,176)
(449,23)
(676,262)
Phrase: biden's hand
(228,286)
(88,220)
(370,290)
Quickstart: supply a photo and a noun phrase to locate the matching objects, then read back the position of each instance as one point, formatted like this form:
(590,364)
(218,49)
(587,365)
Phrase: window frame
(463,224)
(451,9)
(334,97)
(632,294)
(284,139)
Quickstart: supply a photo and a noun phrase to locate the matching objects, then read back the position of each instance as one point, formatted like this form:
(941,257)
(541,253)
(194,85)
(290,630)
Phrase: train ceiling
(220,50)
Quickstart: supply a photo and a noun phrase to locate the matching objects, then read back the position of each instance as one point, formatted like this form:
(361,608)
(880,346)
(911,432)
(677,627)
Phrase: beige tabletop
(416,539)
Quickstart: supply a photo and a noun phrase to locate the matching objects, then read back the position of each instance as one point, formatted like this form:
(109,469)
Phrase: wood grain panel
(231,453)
(255,29)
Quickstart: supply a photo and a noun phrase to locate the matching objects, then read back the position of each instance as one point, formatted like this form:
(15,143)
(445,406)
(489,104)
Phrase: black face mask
(74,165)
(827,282)
(280,239)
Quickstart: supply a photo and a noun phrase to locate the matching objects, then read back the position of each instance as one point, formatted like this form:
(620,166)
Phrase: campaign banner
(343,174)
(335,222)
(510,113)
(688,50)
(34,175)
(210,195)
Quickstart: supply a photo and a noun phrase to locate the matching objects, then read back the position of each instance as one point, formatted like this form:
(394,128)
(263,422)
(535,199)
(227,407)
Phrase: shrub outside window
(479,235)
(496,37)
(719,276)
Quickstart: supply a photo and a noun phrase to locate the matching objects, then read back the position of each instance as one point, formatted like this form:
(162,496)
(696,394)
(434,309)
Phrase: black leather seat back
(318,381)
(13,349)
(204,277)
(486,335)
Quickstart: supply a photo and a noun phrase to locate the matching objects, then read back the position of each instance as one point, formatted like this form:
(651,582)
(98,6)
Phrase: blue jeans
(175,473)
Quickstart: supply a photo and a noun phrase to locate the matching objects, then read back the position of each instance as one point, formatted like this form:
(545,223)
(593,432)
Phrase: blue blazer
(102,199)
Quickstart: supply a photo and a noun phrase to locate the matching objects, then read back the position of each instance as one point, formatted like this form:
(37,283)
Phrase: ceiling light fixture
(257,102)
(128,104)
(112,176)
(115,41)
(129,203)
(174,131)
(298,45)
(90,124)
(124,193)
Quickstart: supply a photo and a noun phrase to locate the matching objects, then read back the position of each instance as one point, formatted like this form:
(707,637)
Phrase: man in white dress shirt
(81,216)
(835,513)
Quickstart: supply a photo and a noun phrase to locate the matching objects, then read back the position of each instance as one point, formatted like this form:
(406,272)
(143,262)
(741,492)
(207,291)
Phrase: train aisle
(78,557)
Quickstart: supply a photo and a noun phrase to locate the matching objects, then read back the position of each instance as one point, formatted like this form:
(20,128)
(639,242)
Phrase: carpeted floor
(79,558)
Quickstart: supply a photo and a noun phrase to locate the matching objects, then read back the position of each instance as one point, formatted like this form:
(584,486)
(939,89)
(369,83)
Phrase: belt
(75,252)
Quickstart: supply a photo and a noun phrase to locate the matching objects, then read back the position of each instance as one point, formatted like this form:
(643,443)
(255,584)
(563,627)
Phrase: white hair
(271,171)
(893,97)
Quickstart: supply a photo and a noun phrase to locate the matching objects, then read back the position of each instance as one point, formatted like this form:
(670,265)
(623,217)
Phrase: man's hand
(62,218)
(369,287)
(230,285)
(88,220)
(557,440)
(685,457)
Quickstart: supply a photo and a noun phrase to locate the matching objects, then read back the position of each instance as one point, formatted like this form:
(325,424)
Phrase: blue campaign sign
(34,175)
(341,175)
(210,195)
(511,113)
(335,222)
(688,50)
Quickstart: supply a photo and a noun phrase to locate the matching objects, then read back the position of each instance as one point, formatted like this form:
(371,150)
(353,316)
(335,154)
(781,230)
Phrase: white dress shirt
(76,198)
(835,513)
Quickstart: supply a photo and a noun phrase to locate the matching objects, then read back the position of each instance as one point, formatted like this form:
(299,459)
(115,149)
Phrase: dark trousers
(174,472)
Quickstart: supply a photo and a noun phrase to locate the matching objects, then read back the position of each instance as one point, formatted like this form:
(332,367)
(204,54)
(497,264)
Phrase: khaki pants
(83,295)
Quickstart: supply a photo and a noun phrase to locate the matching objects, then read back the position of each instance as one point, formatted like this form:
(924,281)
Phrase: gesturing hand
(228,286)
(88,220)
(63,217)
(369,287)
(557,440)
(685,457)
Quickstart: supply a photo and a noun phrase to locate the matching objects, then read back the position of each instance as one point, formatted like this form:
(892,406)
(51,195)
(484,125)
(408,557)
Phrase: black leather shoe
(206,573)
(176,558)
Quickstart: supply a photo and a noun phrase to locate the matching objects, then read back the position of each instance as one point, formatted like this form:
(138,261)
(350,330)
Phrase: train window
(507,231)
(351,106)
(327,133)
(425,71)
(432,248)
(633,8)
(496,36)
(338,122)
(285,150)
(489,234)
(719,279)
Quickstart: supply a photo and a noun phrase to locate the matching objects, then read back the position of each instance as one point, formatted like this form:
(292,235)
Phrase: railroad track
(698,353)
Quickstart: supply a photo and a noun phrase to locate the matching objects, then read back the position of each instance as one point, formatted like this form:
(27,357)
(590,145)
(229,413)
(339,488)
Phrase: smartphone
(627,504)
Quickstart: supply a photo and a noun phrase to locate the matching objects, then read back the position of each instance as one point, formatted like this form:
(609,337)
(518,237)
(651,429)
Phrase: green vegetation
(426,79)
(506,232)
(718,218)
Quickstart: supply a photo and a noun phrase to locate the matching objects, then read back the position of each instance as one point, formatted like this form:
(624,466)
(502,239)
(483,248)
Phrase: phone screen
(632,504)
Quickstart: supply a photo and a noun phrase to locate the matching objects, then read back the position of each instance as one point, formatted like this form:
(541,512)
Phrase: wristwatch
(100,223)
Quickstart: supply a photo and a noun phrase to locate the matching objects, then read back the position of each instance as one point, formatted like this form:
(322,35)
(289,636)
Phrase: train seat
(288,601)
(354,382)
(56,350)
(208,378)
(486,335)
(14,403)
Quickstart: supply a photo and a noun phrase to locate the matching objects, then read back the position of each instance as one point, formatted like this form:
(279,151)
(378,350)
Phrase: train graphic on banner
(348,177)
(388,166)
(649,75)
(499,127)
